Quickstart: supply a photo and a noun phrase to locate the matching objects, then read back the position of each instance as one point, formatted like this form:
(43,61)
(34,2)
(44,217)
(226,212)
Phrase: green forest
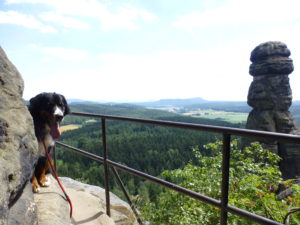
(155,150)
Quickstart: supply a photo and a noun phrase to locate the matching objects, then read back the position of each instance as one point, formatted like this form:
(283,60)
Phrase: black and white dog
(47,111)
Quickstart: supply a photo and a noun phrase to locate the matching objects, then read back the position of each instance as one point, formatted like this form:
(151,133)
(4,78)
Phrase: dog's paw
(35,189)
(45,181)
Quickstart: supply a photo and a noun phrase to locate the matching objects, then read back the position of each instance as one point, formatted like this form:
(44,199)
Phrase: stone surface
(268,50)
(18,145)
(272,66)
(87,210)
(24,211)
(270,95)
(87,201)
(121,212)
(271,58)
(52,208)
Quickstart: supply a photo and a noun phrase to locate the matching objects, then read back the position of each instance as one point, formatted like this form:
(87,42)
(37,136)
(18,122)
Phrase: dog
(47,111)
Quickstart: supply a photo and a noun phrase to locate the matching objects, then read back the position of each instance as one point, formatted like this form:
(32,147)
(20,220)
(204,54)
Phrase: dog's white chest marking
(48,141)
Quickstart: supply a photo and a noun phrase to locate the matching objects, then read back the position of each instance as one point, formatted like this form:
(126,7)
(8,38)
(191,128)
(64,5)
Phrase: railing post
(122,186)
(225,177)
(105,155)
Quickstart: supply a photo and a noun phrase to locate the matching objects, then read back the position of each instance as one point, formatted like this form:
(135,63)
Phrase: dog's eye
(50,105)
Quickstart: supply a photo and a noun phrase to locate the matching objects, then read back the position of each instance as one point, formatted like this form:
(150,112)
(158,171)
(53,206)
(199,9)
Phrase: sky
(144,50)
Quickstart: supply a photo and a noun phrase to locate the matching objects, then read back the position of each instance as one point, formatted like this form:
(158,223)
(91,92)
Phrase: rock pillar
(270,96)
(18,145)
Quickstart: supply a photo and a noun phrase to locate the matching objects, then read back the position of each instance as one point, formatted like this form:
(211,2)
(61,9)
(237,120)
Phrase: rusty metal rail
(227,132)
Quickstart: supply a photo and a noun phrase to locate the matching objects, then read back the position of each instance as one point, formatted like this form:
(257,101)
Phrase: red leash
(58,181)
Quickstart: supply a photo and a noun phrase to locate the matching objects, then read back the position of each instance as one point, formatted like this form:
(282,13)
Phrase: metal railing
(227,132)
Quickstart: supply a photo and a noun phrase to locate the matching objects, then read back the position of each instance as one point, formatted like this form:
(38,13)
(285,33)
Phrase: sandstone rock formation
(52,208)
(89,205)
(24,211)
(18,145)
(270,95)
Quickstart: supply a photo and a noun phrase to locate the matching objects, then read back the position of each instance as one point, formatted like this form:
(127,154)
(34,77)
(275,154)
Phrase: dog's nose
(58,118)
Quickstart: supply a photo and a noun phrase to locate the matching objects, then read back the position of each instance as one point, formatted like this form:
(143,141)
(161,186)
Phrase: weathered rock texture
(270,95)
(24,211)
(88,202)
(89,205)
(18,146)
(52,207)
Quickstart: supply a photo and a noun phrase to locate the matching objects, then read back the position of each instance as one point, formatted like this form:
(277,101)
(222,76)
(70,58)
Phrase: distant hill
(135,111)
(199,103)
(127,110)
(80,101)
(172,102)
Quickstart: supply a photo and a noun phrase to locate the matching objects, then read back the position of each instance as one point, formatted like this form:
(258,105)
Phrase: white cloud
(25,20)
(64,54)
(242,12)
(147,15)
(125,17)
(65,21)
(21,1)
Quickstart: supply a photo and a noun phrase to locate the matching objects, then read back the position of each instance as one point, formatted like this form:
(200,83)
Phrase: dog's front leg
(34,184)
(44,180)
(41,169)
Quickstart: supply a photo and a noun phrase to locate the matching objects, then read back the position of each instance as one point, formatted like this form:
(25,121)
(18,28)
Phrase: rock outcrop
(88,202)
(18,145)
(52,207)
(89,205)
(270,95)
(24,211)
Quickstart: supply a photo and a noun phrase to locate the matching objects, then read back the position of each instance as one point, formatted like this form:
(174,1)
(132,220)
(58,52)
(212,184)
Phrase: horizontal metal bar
(195,195)
(251,216)
(260,135)
(146,176)
(167,184)
(82,152)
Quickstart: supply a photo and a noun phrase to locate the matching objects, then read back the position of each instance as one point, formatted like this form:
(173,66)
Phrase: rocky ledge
(88,205)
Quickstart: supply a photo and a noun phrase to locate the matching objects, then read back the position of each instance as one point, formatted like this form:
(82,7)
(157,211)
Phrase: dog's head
(48,109)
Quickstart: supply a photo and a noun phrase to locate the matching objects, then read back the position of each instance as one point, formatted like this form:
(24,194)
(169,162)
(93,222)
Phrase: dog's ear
(32,105)
(67,108)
